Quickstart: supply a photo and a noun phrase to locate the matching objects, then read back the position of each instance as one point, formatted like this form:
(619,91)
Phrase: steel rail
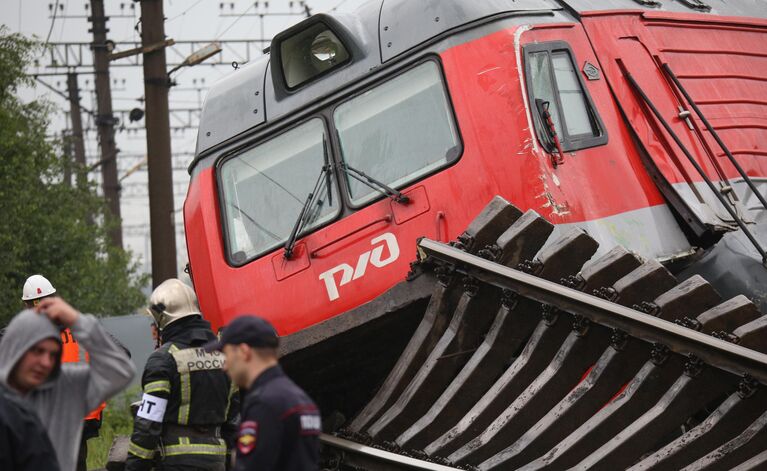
(713,351)
(386,459)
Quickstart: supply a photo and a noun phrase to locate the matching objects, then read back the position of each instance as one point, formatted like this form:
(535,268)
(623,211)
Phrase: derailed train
(628,132)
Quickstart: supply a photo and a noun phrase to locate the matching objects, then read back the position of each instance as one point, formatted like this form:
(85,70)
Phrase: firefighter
(280,424)
(35,289)
(189,405)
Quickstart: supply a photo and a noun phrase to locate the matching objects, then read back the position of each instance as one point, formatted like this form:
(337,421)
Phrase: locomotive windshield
(398,131)
(265,188)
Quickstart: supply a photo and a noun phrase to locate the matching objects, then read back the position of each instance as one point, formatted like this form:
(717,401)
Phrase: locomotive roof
(380,31)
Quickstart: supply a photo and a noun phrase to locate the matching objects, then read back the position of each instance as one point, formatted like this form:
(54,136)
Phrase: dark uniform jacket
(189,406)
(24,443)
(280,426)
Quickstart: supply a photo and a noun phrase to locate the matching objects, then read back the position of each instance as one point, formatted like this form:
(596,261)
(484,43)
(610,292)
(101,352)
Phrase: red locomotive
(320,165)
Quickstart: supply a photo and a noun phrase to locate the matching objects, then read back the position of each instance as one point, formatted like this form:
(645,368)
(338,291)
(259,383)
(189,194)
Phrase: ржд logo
(372,257)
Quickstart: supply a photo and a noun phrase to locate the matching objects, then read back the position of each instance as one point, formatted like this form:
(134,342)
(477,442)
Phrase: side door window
(555,85)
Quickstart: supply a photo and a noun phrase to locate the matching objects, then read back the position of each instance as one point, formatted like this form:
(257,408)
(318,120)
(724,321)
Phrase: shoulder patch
(247,436)
(311,424)
(197,359)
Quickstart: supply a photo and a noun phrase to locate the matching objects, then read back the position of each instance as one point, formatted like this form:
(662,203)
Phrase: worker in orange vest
(36,288)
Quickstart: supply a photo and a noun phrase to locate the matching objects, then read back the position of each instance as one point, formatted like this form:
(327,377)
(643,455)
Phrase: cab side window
(554,85)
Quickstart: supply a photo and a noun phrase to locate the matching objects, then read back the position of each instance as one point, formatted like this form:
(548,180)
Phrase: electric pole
(67,149)
(76,138)
(157,120)
(105,119)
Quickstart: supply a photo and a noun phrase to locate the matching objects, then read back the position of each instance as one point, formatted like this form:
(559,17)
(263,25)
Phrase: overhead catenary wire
(338,5)
(63,20)
(184,12)
(53,21)
(61,94)
(218,36)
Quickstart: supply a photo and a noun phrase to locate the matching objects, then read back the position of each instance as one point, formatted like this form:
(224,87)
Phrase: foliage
(117,420)
(48,226)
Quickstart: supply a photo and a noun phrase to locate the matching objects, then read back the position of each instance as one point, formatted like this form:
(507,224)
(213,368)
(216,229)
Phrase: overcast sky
(198,20)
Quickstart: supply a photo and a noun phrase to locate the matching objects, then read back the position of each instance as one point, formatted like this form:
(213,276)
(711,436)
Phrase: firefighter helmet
(36,287)
(171,301)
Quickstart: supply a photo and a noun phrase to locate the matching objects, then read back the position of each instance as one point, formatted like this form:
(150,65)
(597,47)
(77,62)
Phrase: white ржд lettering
(372,257)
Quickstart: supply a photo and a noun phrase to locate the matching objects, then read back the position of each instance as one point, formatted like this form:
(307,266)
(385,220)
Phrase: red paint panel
(418,204)
(723,64)
(593,183)
(284,268)
(357,258)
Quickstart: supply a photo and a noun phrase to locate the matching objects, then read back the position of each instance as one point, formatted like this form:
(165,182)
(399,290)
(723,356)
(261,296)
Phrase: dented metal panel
(233,105)
(406,24)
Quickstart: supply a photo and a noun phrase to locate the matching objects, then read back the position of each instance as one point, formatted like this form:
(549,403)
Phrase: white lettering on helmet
(374,257)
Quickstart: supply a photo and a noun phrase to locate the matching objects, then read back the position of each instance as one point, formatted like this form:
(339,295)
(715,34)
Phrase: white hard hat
(171,301)
(37,286)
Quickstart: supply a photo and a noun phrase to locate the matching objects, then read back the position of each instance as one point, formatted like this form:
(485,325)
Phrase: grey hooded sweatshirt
(73,389)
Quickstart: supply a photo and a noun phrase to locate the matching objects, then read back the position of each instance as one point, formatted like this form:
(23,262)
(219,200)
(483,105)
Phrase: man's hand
(58,311)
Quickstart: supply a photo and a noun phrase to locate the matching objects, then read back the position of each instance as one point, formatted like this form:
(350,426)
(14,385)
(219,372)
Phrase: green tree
(46,225)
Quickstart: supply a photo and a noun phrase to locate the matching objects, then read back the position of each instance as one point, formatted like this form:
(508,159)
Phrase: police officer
(189,405)
(280,424)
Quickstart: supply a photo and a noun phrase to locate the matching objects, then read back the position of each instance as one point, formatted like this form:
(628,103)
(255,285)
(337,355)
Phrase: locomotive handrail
(713,351)
(382,457)
(726,204)
(315,253)
(667,69)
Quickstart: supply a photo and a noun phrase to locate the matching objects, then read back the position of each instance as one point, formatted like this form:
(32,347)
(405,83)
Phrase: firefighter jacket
(189,406)
(280,426)
(24,443)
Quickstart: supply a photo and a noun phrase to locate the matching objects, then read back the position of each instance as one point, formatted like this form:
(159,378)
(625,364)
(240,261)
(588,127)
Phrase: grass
(117,420)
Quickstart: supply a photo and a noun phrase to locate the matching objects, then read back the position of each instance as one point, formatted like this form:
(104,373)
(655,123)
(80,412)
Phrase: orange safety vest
(70,353)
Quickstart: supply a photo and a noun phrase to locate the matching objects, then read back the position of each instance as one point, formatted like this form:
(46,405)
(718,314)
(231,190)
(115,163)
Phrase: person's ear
(245,352)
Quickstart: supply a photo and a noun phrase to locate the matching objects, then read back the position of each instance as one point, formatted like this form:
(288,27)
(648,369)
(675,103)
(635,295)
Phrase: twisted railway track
(533,353)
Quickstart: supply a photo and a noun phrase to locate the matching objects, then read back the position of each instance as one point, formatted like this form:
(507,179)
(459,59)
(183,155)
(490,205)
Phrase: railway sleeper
(495,379)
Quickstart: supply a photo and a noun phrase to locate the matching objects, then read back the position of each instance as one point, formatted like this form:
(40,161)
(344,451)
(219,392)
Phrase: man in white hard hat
(35,290)
(188,408)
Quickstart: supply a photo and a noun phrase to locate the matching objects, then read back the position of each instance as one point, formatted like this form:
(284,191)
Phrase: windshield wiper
(376,185)
(327,168)
(369,181)
(303,216)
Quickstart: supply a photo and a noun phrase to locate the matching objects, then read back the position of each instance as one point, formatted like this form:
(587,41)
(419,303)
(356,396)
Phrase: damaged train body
(630,133)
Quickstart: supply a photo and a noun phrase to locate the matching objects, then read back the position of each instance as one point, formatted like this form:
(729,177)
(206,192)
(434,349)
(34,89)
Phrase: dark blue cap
(247,329)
